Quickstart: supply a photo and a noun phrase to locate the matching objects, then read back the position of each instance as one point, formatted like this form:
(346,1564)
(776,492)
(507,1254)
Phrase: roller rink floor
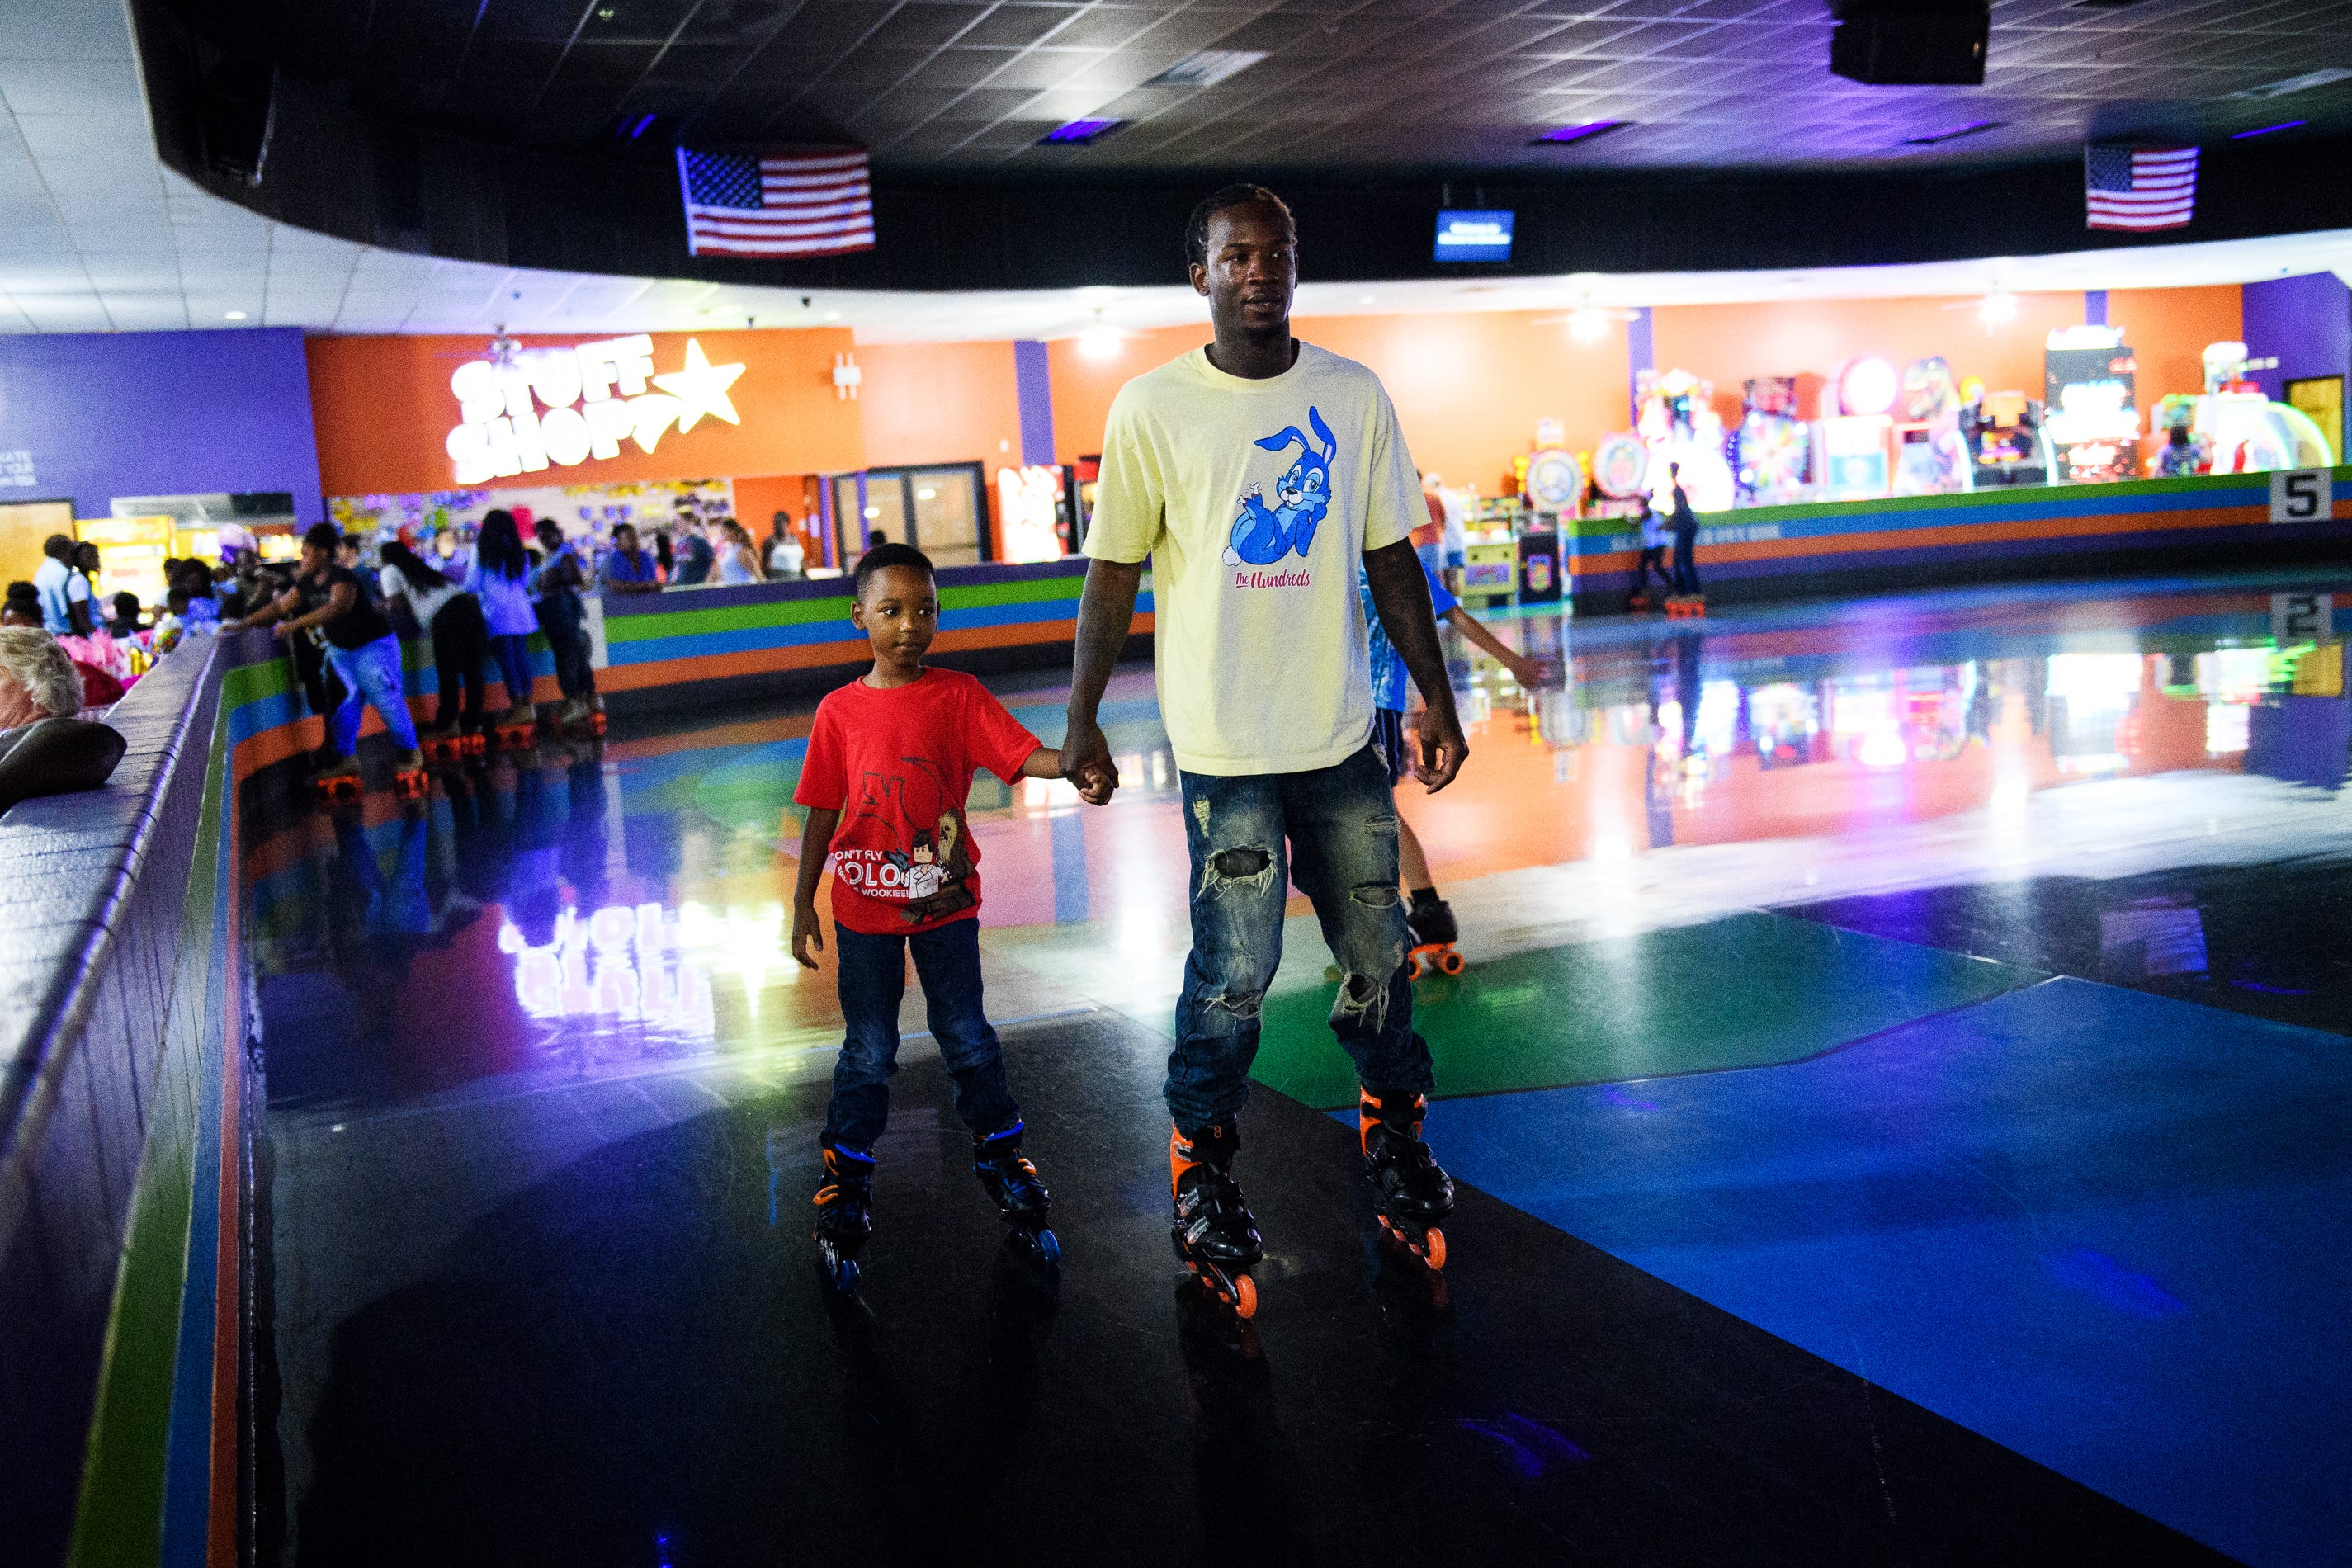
(1900,1095)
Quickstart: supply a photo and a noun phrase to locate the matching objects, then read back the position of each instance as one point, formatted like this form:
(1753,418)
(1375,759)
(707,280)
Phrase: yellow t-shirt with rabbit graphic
(1256,501)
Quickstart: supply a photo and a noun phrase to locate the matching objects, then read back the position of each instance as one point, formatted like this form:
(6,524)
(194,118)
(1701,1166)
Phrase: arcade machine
(2005,439)
(1856,430)
(1555,484)
(1930,456)
(1680,426)
(2092,421)
(2244,431)
(1771,449)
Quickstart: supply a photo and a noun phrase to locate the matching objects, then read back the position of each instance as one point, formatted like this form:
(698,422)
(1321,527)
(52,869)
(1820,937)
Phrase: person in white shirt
(786,554)
(1257,474)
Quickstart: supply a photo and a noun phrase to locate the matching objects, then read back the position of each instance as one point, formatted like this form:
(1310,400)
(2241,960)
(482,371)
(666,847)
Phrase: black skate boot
(1213,1231)
(845,1214)
(1410,1191)
(1020,1196)
(1429,923)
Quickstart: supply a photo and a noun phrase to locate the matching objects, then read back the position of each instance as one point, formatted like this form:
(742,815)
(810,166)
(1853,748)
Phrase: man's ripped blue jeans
(1334,832)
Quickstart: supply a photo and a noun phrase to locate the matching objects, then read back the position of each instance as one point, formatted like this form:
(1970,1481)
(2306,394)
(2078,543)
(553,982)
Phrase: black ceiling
(941,87)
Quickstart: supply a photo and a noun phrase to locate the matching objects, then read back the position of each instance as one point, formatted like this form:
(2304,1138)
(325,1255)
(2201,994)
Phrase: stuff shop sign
(402,415)
(562,407)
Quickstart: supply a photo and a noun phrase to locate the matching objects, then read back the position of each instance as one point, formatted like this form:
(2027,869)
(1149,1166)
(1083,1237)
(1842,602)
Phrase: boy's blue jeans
(1334,832)
(873,975)
(371,678)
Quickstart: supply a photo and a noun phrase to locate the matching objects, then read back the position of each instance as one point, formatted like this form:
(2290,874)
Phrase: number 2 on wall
(2302,495)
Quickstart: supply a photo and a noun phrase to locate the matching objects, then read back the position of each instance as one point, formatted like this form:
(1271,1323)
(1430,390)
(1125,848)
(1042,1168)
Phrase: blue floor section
(2109,1230)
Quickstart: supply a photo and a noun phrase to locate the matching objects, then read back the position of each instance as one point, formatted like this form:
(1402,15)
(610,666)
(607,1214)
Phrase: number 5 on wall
(2303,495)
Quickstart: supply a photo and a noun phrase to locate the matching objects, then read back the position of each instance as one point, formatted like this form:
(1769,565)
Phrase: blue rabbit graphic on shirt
(1262,534)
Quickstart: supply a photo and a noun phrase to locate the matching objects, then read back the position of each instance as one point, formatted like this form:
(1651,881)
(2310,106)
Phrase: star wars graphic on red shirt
(897,764)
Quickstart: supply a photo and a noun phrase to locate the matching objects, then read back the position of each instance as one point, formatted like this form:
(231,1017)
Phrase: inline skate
(1020,1196)
(1410,1191)
(1213,1229)
(845,1214)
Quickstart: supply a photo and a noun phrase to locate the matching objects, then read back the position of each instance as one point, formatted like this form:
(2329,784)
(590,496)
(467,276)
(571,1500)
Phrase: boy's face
(898,613)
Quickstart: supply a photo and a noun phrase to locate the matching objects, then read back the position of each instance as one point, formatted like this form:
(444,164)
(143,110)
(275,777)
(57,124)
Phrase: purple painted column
(2305,323)
(2095,307)
(1033,381)
(1640,355)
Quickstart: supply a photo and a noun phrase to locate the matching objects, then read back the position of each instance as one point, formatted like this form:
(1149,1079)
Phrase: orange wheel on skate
(1433,1249)
(1244,1296)
(1451,962)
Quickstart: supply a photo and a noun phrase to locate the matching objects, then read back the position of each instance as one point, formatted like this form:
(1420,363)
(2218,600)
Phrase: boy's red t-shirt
(897,766)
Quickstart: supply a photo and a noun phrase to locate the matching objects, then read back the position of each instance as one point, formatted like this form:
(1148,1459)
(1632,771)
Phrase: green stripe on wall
(668,622)
(119,1521)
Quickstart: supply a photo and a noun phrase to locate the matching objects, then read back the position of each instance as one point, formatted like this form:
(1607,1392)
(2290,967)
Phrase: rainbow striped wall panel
(1759,552)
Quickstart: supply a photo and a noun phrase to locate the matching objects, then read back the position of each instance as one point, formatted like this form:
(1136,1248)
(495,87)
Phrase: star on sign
(701,388)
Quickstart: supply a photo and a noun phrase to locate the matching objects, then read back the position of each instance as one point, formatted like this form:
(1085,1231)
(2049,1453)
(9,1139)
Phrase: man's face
(624,540)
(314,560)
(1252,270)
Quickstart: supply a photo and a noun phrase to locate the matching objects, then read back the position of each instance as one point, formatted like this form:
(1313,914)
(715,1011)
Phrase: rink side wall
(122,1149)
(2209,522)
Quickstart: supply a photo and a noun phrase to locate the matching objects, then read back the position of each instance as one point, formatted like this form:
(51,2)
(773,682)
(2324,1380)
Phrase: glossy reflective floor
(1901,1091)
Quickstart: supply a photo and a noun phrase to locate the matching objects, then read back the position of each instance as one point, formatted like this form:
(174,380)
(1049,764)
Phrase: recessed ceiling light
(1078,132)
(1583,132)
(2266,130)
(1937,138)
(1207,68)
(1366,299)
(233,315)
(832,315)
(2296,83)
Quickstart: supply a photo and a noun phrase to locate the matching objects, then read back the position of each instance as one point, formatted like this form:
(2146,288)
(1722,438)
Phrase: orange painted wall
(939,403)
(1084,387)
(2168,329)
(384,409)
(1468,388)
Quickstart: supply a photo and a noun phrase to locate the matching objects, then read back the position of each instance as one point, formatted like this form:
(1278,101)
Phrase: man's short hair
(1196,232)
(882,557)
(32,659)
(323,536)
(59,546)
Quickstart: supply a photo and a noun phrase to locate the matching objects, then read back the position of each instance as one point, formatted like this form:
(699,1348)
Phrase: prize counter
(2207,521)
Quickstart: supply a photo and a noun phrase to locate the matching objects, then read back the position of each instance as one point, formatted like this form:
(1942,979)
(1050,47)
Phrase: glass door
(939,510)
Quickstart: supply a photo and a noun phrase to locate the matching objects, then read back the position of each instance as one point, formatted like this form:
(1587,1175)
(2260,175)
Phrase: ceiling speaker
(1911,46)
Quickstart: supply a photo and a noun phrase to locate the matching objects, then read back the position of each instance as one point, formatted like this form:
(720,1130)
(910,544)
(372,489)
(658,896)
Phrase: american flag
(813,203)
(2139,187)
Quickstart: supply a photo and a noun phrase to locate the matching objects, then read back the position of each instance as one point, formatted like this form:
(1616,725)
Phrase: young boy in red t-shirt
(890,761)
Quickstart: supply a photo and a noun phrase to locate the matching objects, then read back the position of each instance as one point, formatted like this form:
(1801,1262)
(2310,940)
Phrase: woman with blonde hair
(737,561)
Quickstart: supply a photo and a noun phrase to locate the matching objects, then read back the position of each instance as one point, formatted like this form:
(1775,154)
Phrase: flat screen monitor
(1464,236)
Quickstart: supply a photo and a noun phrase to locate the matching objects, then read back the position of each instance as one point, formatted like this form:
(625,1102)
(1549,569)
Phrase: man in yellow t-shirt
(1256,474)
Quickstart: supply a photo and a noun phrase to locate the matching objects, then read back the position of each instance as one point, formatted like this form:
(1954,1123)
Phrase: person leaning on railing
(44,749)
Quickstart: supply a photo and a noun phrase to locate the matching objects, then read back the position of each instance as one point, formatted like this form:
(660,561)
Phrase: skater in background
(890,759)
(1686,583)
(360,649)
(1429,918)
(498,580)
(556,588)
(1654,541)
(461,639)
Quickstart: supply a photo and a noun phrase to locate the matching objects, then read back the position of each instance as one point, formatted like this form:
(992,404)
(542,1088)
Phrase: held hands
(1086,762)
(1534,673)
(1443,749)
(808,932)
